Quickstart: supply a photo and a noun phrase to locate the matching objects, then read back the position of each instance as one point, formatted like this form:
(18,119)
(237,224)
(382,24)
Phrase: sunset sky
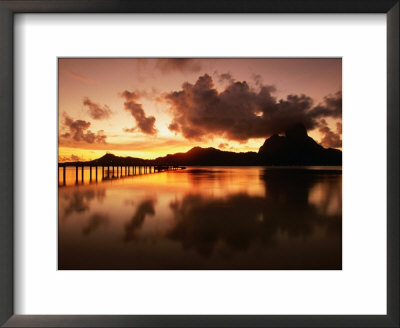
(152,107)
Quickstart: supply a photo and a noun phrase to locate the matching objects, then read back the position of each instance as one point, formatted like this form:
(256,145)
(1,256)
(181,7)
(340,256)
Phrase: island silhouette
(293,148)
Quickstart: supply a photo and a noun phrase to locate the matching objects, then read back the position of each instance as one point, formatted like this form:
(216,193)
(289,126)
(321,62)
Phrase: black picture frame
(10,7)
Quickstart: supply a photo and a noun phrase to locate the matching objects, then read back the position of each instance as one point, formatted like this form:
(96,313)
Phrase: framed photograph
(199,164)
(157,195)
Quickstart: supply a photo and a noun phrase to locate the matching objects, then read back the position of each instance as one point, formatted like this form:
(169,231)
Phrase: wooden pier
(109,172)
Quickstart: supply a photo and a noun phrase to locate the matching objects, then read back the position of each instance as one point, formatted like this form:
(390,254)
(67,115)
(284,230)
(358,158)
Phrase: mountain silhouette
(111,159)
(209,156)
(295,148)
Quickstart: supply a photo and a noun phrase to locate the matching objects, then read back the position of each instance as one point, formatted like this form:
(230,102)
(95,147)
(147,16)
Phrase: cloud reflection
(240,220)
(79,201)
(145,208)
(95,221)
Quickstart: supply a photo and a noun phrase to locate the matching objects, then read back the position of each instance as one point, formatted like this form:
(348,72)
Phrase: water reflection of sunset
(204,218)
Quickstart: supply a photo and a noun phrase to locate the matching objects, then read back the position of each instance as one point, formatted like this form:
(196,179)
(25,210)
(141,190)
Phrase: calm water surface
(204,218)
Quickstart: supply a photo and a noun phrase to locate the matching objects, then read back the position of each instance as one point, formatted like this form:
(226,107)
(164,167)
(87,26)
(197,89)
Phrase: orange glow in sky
(152,107)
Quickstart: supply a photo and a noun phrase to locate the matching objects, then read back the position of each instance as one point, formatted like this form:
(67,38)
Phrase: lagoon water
(203,218)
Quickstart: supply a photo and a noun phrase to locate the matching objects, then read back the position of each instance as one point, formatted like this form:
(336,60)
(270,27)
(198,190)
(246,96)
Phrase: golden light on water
(203,218)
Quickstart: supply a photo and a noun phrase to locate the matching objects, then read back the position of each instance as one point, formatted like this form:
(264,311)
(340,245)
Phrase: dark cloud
(223,146)
(167,65)
(78,131)
(339,127)
(332,107)
(144,123)
(257,79)
(331,139)
(226,77)
(239,112)
(95,111)
(129,130)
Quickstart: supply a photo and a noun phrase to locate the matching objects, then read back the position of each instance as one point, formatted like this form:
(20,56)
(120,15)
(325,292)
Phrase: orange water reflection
(205,218)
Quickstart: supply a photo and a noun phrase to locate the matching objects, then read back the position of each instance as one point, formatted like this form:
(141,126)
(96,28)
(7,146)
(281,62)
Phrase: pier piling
(108,171)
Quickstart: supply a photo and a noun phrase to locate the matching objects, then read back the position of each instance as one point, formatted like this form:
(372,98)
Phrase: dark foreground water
(204,218)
